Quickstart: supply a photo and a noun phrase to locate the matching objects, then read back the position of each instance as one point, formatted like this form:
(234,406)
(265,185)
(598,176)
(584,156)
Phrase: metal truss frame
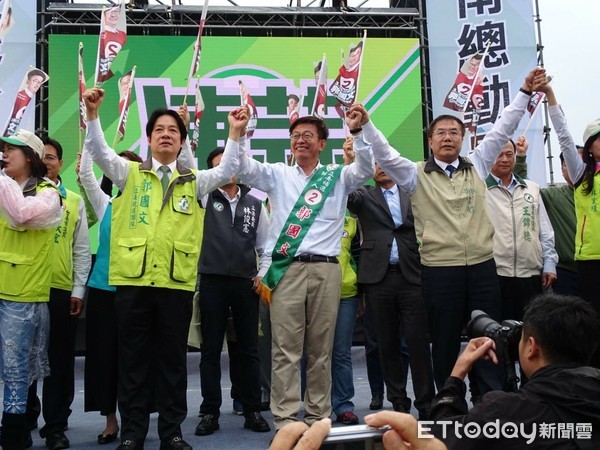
(182,20)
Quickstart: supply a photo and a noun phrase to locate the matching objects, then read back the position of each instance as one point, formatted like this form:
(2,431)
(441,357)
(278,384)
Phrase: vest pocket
(15,268)
(184,262)
(131,261)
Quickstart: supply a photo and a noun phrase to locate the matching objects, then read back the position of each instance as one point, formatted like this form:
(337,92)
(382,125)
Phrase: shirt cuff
(78,291)
(550,267)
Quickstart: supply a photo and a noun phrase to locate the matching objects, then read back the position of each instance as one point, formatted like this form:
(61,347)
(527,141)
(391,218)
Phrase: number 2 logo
(313,197)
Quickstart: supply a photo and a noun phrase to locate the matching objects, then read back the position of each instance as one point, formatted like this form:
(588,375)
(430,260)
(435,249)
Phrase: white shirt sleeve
(82,256)
(98,199)
(549,255)
(262,231)
(111,164)
(485,154)
(208,180)
(401,170)
(186,156)
(356,174)
(575,165)
(41,212)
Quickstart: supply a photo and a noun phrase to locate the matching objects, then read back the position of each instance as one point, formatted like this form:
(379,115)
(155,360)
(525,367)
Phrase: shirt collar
(156,165)
(299,170)
(443,164)
(393,189)
(237,195)
(513,181)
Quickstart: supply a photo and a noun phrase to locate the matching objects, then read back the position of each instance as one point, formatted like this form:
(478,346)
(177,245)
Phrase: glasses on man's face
(306,136)
(453,133)
(50,158)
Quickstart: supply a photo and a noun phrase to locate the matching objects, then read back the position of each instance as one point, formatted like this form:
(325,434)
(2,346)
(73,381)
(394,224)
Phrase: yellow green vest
(64,236)
(25,271)
(587,208)
(347,264)
(154,241)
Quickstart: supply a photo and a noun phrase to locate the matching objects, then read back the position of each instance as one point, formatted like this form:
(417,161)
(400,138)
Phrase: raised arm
(486,153)
(575,165)
(355,174)
(401,170)
(209,180)
(97,198)
(113,166)
(186,156)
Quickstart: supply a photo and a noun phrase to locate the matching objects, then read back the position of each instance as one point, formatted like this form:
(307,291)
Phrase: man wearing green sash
(308,204)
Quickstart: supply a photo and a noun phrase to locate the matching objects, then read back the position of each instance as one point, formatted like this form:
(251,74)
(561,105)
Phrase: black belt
(316,258)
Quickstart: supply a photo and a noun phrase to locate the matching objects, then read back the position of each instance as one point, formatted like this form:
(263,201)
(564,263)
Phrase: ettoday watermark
(505,430)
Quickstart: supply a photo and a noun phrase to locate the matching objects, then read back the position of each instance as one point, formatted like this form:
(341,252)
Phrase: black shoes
(376,403)
(175,443)
(255,422)
(57,441)
(208,425)
(107,438)
(128,444)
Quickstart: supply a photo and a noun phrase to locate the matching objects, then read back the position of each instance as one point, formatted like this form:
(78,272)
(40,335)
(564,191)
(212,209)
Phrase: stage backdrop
(458,29)
(271,69)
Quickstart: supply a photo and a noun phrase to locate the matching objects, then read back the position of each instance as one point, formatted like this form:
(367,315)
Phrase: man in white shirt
(305,300)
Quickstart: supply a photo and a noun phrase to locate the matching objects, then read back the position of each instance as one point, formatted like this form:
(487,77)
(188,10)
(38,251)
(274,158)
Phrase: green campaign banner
(271,68)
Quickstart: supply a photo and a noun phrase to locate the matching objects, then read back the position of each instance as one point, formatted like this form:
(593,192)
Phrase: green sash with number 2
(298,223)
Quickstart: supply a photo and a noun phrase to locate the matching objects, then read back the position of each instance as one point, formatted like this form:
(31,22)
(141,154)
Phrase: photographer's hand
(404,434)
(298,436)
(478,348)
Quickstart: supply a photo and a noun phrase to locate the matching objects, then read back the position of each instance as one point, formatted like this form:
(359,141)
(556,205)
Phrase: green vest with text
(154,241)
(587,208)
(62,253)
(25,271)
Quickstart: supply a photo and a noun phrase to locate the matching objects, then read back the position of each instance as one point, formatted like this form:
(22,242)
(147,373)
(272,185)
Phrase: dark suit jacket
(378,229)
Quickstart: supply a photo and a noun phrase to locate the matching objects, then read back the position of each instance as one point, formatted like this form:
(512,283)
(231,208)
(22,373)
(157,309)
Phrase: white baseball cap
(24,138)
(592,129)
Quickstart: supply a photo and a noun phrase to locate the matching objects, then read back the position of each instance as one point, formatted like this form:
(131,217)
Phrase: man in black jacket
(235,230)
(390,272)
(557,408)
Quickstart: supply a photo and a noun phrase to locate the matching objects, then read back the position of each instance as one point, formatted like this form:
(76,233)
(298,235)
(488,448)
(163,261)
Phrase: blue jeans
(342,380)
(24,331)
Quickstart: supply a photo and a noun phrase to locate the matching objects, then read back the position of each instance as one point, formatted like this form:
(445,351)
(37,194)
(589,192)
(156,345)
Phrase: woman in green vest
(30,211)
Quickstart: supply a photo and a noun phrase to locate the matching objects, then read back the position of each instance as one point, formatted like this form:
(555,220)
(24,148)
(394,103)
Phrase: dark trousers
(451,294)
(372,355)
(588,290)
(153,326)
(516,294)
(58,388)
(567,282)
(218,294)
(101,352)
(396,307)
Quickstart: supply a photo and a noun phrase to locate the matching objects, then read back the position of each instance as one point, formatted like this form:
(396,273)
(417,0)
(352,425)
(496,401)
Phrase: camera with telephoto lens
(506,336)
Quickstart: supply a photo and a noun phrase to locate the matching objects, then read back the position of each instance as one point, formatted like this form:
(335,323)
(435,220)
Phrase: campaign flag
(113,35)
(468,85)
(319,109)
(345,86)
(247,101)
(294,104)
(198,44)
(81,76)
(199,109)
(125,85)
(6,19)
(32,81)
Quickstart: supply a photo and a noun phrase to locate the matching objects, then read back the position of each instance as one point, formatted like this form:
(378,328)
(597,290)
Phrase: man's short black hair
(445,117)
(322,129)
(54,143)
(567,328)
(165,112)
(212,155)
